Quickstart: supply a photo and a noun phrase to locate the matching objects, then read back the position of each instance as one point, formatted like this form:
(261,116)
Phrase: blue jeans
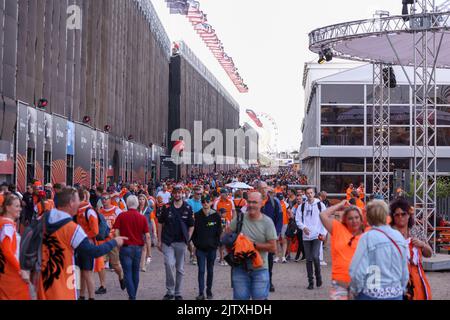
(362,296)
(253,285)
(205,258)
(130,259)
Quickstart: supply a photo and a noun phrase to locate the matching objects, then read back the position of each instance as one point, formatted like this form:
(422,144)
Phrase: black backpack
(319,206)
(31,243)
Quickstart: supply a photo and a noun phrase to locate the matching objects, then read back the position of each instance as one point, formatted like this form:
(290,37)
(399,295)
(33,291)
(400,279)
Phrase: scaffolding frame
(380,130)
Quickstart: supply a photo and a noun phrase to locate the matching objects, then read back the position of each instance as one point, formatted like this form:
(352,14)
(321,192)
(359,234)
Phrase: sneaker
(209,295)
(194,262)
(311,286)
(276,260)
(323,263)
(80,298)
(101,290)
(122,284)
(178,298)
(272,288)
(149,259)
(284,260)
(224,263)
(297,259)
(143,270)
(168,297)
(200,297)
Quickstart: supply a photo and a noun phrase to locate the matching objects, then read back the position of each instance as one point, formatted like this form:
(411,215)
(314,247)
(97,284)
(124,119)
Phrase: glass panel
(443,95)
(400,115)
(342,114)
(342,136)
(443,115)
(342,164)
(338,183)
(342,93)
(398,95)
(400,136)
(396,163)
(443,137)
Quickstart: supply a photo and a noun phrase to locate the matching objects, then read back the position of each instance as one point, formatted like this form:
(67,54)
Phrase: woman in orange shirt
(403,220)
(12,286)
(344,240)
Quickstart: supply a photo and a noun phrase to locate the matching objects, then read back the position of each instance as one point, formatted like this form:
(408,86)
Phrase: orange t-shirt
(118,204)
(58,277)
(48,205)
(2,199)
(12,287)
(110,215)
(341,252)
(349,193)
(240,202)
(361,193)
(285,214)
(228,205)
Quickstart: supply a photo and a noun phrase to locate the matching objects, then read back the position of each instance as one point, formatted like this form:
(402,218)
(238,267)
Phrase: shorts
(84,262)
(113,258)
(283,231)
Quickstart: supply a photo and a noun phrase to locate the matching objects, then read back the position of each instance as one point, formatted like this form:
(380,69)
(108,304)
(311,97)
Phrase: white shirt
(310,219)
(165,196)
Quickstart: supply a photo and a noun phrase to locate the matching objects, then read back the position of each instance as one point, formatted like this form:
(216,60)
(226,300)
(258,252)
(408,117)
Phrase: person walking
(403,220)
(134,226)
(12,286)
(146,211)
(379,268)
(345,235)
(206,239)
(308,220)
(175,228)
(249,282)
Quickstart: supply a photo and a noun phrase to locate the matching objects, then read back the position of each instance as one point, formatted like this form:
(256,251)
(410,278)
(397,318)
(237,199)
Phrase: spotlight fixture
(405,11)
(325,55)
(86,119)
(389,78)
(43,103)
(107,128)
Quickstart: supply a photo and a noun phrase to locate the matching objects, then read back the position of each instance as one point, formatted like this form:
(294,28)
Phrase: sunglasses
(403,213)
(105,198)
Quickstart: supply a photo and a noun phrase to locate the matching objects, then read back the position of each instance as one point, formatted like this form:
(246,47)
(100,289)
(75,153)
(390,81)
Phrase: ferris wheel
(271,132)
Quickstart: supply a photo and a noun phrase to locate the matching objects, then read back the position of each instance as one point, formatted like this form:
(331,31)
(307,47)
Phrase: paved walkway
(289,279)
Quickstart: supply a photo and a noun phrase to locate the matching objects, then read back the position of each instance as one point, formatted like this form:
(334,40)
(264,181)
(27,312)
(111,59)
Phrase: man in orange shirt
(110,213)
(62,239)
(361,191)
(225,203)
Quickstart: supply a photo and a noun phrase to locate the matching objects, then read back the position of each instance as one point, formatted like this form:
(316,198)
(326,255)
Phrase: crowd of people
(376,250)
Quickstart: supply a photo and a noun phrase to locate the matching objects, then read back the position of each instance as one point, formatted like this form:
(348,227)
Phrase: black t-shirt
(172,219)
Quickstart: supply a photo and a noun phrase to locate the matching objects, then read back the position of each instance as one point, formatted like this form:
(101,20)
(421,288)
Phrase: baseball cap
(177,188)
(223,191)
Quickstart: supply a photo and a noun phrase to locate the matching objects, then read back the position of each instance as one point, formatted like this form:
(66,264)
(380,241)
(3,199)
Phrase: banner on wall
(40,145)
(21,150)
(83,155)
(48,131)
(59,149)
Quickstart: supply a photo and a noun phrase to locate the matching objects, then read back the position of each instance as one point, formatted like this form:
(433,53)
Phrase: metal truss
(381,132)
(330,36)
(426,51)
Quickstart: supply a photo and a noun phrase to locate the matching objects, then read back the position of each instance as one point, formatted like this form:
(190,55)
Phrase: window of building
(400,136)
(93,168)
(443,115)
(342,164)
(395,163)
(443,95)
(342,136)
(339,114)
(399,95)
(47,167)
(339,183)
(31,157)
(69,170)
(342,93)
(399,115)
(443,137)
